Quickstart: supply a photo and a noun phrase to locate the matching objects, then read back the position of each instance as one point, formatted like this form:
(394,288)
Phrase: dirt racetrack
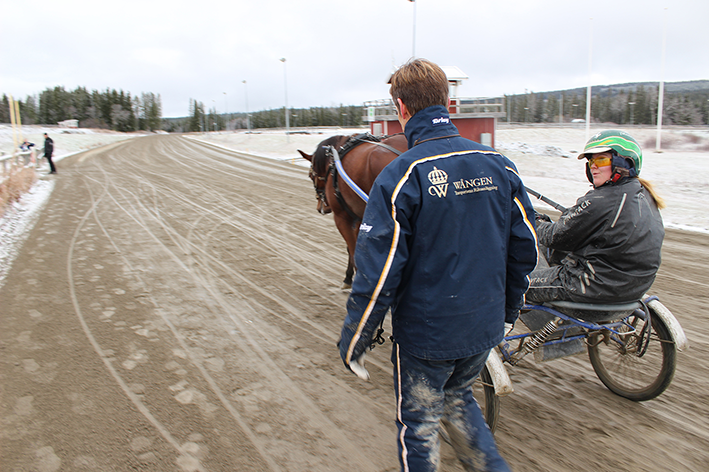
(176,308)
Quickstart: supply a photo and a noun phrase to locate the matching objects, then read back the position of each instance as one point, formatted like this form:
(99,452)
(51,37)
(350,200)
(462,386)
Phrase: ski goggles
(600,161)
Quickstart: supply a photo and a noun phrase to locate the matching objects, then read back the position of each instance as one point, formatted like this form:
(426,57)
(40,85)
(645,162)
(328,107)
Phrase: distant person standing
(48,151)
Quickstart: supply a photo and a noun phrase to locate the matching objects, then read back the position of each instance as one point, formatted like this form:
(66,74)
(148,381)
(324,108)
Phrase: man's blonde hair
(419,84)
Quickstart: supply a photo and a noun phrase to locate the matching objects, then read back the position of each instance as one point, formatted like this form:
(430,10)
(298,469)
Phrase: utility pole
(285,85)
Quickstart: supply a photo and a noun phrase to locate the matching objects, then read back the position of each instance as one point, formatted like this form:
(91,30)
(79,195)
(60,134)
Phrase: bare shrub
(13,187)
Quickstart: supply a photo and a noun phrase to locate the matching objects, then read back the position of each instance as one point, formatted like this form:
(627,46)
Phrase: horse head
(320,162)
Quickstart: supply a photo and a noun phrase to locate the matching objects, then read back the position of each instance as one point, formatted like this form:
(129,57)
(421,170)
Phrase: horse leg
(347,283)
(348,229)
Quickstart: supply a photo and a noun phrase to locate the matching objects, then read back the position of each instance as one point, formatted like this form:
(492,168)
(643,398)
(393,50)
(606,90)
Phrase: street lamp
(214,113)
(413,46)
(661,92)
(246,98)
(226,111)
(588,89)
(285,86)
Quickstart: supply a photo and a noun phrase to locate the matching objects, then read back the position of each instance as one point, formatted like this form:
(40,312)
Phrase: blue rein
(338,165)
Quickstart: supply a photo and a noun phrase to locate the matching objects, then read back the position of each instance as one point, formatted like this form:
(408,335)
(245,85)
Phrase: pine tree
(196,115)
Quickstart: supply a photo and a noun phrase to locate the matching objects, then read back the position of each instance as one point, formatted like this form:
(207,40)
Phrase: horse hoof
(346,287)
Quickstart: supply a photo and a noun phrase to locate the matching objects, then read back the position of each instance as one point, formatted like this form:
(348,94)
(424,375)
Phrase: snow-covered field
(545,157)
(66,141)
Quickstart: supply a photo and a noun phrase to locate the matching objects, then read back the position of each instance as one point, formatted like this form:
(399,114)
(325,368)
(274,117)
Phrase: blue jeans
(429,393)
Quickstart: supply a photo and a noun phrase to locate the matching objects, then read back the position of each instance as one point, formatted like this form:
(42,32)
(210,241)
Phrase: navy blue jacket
(447,241)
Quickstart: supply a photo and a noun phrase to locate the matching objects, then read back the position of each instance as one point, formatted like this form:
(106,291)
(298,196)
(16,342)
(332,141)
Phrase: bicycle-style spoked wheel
(484,392)
(618,365)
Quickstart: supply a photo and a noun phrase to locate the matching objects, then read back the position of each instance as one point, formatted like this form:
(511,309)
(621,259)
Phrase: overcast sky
(340,52)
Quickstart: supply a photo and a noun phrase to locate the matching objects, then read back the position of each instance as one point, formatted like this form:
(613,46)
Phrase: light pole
(246,98)
(285,86)
(226,111)
(661,92)
(413,47)
(588,90)
(214,114)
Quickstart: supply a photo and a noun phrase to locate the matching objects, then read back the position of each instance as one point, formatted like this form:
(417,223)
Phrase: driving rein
(336,169)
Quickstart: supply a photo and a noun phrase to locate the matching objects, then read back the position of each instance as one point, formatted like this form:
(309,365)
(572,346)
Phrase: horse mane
(321,161)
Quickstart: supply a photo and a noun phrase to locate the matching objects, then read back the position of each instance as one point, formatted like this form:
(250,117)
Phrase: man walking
(48,151)
(447,241)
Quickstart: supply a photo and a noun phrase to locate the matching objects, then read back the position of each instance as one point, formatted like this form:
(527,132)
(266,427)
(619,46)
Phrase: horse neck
(321,160)
(379,157)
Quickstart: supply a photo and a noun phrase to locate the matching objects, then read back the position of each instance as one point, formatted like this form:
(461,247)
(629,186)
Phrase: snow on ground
(544,156)
(18,220)
(66,141)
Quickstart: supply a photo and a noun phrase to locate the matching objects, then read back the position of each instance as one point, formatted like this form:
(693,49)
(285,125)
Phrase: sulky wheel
(618,365)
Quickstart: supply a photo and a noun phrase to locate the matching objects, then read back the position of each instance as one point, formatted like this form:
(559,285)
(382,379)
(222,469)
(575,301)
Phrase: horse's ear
(306,156)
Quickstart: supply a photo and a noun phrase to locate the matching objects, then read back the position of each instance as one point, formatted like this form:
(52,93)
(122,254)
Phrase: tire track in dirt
(212,284)
(143,219)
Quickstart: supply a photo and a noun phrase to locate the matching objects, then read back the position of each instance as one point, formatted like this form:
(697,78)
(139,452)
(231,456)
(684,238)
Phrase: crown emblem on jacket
(437,176)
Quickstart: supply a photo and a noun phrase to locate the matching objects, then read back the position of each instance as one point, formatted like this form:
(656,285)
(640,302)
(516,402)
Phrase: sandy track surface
(176,307)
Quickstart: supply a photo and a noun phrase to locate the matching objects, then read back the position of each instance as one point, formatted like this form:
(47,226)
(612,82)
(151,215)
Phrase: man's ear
(403,110)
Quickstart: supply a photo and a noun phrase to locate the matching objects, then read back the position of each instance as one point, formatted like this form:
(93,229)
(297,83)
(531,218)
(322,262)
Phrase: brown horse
(363,157)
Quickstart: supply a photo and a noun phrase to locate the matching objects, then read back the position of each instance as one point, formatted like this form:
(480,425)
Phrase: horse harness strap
(336,168)
(385,146)
(437,137)
(338,195)
(358,139)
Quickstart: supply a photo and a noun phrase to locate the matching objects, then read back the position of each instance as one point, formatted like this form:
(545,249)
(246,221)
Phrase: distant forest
(201,120)
(685,103)
(110,109)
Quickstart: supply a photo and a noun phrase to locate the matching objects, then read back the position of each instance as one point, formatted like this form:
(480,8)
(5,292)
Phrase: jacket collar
(429,123)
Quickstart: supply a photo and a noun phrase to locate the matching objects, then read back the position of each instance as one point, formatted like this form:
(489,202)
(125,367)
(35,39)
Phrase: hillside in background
(691,86)
(685,103)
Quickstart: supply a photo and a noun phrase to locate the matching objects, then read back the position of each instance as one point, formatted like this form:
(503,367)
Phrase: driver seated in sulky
(606,248)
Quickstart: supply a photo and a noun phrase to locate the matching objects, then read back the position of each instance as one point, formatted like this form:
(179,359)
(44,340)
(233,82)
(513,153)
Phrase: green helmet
(615,140)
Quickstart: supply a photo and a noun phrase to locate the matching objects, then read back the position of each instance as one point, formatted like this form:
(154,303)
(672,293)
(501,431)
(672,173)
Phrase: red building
(475,118)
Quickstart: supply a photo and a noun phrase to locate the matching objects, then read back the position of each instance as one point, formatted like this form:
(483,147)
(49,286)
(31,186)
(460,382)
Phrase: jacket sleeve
(522,247)
(380,257)
(577,225)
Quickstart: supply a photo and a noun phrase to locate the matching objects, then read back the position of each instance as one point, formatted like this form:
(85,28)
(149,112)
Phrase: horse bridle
(320,191)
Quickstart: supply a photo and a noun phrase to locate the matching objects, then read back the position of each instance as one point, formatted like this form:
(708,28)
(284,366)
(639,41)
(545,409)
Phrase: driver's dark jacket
(447,241)
(614,237)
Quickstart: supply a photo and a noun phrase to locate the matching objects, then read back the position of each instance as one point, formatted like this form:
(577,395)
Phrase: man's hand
(357,366)
(542,216)
(508,329)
